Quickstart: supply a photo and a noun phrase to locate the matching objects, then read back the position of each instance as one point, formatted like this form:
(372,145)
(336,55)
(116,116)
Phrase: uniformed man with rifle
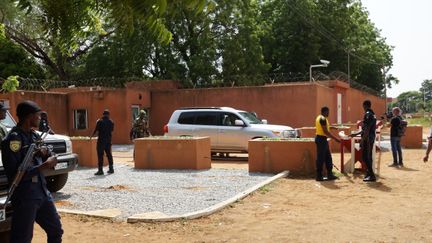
(24,159)
(140,128)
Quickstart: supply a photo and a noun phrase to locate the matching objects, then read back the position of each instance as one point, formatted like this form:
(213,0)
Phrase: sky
(407,26)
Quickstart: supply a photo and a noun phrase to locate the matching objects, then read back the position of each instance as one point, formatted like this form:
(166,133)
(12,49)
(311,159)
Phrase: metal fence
(230,81)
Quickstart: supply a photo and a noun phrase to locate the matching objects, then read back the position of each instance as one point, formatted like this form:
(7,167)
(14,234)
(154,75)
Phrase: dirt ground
(398,208)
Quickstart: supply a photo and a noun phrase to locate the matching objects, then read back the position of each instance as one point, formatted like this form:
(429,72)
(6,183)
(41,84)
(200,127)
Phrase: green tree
(298,33)
(409,101)
(241,53)
(426,89)
(59,32)
(221,42)
(15,61)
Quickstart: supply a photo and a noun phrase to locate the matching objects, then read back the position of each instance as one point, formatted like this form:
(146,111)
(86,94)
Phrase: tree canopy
(15,61)
(200,42)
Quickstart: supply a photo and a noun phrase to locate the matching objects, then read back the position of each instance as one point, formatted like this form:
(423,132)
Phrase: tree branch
(79,52)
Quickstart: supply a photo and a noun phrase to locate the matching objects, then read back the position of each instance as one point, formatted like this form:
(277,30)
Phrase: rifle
(33,149)
(21,171)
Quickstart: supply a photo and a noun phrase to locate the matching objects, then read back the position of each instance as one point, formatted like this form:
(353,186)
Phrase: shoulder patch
(15,145)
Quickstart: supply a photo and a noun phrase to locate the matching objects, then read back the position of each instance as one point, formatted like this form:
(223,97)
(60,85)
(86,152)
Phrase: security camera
(325,62)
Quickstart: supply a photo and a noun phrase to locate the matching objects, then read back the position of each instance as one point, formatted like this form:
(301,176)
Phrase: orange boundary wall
(293,104)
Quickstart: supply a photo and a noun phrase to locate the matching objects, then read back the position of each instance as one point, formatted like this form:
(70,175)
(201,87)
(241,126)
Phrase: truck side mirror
(239,123)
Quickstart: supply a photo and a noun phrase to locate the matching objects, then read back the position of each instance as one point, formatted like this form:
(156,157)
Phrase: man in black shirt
(368,139)
(104,128)
(395,137)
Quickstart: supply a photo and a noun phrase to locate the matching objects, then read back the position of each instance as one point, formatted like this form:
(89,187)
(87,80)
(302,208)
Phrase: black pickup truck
(56,178)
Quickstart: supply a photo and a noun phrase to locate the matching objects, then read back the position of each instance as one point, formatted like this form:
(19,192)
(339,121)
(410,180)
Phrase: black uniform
(31,200)
(368,140)
(105,127)
(43,125)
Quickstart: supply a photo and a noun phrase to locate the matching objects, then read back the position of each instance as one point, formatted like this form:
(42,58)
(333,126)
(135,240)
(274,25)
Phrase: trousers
(27,211)
(323,155)
(101,148)
(396,150)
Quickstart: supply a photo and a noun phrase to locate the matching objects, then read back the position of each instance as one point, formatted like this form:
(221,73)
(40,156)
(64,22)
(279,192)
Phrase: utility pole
(424,102)
(385,70)
(349,74)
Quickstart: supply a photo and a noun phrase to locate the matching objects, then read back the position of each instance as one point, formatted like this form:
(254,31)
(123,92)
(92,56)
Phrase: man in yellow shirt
(323,151)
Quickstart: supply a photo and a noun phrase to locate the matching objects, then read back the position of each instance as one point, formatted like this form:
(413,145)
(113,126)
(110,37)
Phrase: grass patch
(265,189)
(423,121)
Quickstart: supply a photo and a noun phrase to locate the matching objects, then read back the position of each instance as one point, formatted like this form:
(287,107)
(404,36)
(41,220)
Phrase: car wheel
(57,182)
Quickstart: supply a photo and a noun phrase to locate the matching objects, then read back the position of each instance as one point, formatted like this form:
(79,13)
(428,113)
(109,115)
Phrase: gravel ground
(139,191)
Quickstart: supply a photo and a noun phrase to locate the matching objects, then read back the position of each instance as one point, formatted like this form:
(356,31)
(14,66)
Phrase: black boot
(99,172)
(110,171)
(370,178)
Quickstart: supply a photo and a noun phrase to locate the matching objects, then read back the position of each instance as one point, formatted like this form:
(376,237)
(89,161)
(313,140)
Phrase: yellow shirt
(319,129)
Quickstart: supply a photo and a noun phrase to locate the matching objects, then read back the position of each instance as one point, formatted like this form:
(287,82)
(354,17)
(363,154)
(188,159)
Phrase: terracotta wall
(55,104)
(325,96)
(354,103)
(294,105)
(118,102)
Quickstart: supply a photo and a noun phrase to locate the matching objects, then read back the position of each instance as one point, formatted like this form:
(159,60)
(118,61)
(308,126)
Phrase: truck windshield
(9,122)
(250,118)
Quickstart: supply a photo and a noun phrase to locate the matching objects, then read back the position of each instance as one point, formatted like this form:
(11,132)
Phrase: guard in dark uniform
(368,139)
(104,128)
(31,200)
(43,124)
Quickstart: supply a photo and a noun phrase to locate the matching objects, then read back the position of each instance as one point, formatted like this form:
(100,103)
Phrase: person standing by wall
(322,126)
(104,128)
(44,124)
(140,128)
(31,200)
(395,137)
(367,139)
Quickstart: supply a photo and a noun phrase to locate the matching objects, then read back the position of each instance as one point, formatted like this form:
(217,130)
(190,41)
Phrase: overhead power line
(327,34)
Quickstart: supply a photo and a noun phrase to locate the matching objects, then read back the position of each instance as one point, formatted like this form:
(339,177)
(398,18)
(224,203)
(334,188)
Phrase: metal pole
(349,74)
(310,73)
(385,89)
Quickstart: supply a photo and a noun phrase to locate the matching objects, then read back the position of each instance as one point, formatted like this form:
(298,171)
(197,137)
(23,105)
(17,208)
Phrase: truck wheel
(57,182)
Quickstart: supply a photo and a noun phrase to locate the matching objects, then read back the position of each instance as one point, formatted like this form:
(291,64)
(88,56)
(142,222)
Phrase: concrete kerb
(161,217)
(110,213)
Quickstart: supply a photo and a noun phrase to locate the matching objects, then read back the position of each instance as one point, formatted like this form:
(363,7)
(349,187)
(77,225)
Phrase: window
(228,119)
(9,122)
(251,118)
(207,118)
(80,119)
(187,118)
(135,109)
(200,118)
